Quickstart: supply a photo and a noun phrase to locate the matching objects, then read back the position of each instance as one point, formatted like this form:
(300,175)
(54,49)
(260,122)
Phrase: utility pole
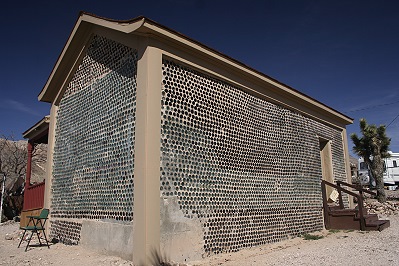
(2,196)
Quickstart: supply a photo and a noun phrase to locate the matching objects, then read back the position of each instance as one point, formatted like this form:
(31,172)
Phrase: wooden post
(341,203)
(325,205)
(361,214)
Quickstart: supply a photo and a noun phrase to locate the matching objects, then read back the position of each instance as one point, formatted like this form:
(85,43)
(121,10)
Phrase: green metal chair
(36,225)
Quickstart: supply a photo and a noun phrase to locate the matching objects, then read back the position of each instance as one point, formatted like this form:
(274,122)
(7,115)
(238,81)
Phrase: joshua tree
(373,147)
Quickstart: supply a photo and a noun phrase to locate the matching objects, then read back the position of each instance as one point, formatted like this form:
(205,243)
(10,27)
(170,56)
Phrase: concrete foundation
(108,238)
(181,237)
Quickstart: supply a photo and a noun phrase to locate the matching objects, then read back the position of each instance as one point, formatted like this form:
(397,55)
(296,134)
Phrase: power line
(392,121)
(371,107)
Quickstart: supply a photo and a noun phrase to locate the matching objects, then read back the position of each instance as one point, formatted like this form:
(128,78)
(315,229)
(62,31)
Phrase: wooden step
(377,225)
(368,217)
(338,217)
(343,212)
(349,219)
(343,222)
(333,207)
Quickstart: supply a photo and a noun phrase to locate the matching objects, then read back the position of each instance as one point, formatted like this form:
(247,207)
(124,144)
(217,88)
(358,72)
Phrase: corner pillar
(146,223)
(50,152)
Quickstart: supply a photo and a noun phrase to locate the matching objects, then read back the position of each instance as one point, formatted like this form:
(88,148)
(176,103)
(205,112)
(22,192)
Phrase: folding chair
(37,227)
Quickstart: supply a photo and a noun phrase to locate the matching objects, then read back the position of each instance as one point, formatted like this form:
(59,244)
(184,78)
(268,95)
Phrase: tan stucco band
(270,88)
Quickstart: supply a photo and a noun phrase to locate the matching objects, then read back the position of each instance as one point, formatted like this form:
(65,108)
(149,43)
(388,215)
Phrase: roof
(38,130)
(141,25)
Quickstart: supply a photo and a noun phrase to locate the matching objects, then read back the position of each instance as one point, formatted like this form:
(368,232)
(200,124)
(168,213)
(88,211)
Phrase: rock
(389,207)
(8,237)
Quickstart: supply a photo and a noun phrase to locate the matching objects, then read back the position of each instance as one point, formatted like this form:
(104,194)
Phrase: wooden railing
(340,190)
(34,196)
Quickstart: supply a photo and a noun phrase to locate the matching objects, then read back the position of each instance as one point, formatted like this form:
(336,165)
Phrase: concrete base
(108,238)
(181,237)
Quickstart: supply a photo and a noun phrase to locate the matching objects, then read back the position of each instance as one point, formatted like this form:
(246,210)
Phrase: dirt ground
(336,248)
(57,254)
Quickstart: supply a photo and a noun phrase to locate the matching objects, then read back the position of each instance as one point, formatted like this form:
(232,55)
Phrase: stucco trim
(87,23)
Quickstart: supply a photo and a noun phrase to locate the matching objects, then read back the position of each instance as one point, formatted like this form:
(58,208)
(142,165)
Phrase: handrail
(341,204)
(360,189)
(340,188)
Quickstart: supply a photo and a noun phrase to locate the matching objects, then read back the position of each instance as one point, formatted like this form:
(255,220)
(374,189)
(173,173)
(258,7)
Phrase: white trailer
(391,171)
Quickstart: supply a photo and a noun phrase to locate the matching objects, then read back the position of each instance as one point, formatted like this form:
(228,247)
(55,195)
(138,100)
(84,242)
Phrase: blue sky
(342,53)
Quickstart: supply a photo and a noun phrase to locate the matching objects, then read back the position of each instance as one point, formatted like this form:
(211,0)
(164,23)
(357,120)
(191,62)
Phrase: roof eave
(83,27)
(154,28)
(37,128)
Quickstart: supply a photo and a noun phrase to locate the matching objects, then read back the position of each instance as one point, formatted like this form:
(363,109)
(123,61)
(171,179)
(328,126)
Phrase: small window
(363,166)
(394,164)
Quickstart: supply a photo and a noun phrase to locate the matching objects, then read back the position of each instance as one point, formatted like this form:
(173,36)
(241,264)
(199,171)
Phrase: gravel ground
(335,248)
